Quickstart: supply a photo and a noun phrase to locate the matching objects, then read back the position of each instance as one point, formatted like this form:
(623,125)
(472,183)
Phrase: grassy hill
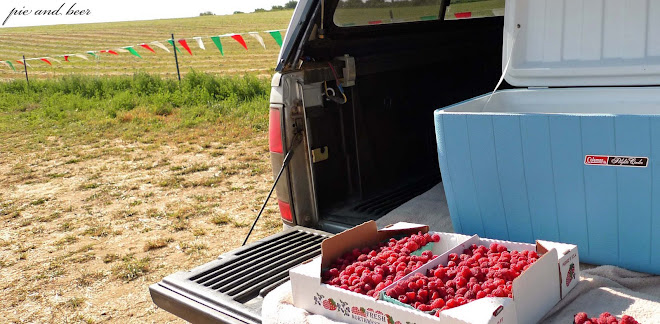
(66,39)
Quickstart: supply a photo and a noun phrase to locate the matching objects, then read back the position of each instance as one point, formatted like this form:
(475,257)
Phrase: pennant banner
(258,37)
(185,45)
(239,39)
(277,36)
(131,50)
(159,44)
(200,43)
(218,44)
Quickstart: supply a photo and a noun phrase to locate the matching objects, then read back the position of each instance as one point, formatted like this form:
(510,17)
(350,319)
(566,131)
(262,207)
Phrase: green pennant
(133,51)
(277,36)
(424,18)
(10,65)
(92,54)
(172,43)
(218,43)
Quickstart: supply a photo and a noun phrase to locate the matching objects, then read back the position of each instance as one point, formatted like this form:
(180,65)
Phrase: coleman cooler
(572,154)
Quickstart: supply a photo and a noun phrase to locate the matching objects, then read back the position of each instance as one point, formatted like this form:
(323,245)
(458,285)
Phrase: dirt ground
(87,228)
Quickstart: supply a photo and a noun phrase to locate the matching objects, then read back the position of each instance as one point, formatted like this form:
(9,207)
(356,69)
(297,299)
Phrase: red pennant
(460,15)
(239,39)
(46,60)
(375,22)
(148,47)
(184,44)
(20,62)
(66,58)
(109,51)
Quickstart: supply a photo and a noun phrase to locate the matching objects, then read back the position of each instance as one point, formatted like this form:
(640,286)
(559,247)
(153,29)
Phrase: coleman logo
(595,159)
(625,161)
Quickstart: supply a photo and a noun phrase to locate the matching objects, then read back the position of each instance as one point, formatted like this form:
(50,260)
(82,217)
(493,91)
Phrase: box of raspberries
(406,274)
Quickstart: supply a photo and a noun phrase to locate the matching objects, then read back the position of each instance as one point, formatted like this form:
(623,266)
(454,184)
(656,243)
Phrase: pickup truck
(355,87)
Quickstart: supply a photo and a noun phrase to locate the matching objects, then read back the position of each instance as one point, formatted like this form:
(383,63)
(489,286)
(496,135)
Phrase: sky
(19,13)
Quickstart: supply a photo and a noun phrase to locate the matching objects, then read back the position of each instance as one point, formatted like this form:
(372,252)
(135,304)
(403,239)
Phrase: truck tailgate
(231,288)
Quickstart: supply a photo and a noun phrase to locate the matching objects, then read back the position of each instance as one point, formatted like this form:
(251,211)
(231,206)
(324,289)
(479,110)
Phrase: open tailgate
(231,288)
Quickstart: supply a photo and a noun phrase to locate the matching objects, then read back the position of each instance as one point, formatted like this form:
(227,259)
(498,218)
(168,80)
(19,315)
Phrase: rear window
(375,12)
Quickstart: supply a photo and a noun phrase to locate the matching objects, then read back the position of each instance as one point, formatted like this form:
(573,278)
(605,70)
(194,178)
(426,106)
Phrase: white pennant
(258,38)
(159,44)
(5,63)
(121,50)
(200,43)
(53,59)
(81,56)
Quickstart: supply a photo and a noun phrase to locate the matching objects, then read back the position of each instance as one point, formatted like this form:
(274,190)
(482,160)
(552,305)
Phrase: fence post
(176,59)
(26,73)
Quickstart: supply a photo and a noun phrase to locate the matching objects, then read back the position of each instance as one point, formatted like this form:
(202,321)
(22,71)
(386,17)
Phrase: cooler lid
(581,42)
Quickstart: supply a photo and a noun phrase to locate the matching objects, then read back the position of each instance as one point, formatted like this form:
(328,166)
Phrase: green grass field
(66,39)
(362,16)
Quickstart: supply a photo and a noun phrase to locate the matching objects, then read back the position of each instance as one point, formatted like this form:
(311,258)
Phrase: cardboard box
(536,291)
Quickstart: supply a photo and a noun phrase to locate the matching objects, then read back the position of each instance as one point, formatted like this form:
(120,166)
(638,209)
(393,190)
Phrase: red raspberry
(625,319)
(435,238)
(580,318)
(437,303)
(451,303)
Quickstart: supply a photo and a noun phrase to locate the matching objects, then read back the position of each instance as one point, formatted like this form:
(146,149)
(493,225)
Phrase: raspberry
(625,319)
(435,238)
(438,303)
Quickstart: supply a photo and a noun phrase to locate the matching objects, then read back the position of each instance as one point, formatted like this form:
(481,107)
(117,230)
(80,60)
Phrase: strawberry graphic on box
(570,275)
(358,311)
(330,304)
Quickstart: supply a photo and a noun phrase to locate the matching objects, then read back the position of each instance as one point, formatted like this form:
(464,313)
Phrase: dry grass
(55,240)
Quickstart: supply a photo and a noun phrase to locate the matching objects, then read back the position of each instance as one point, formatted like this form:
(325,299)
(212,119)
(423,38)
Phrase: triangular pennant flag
(239,39)
(131,50)
(46,60)
(258,38)
(121,50)
(200,43)
(218,44)
(26,63)
(185,45)
(8,63)
(172,43)
(92,54)
(81,56)
(148,47)
(109,52)
(277,36)
(159,44)
(66,58)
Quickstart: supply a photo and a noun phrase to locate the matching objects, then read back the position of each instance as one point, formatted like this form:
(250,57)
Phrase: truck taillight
(275,131)
(285,210)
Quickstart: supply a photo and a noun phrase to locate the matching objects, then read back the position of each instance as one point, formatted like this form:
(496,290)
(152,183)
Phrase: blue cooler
(571,155)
